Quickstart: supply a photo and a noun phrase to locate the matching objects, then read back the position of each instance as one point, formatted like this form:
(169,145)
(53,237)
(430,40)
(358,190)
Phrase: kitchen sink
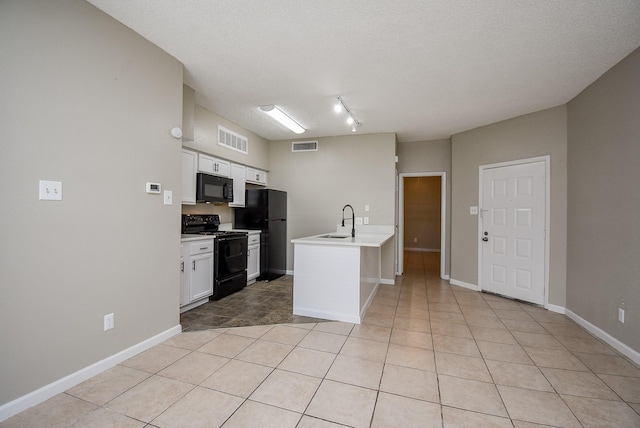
(334,236)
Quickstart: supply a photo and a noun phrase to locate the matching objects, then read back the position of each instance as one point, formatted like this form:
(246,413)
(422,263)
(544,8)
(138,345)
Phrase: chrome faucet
(353,220)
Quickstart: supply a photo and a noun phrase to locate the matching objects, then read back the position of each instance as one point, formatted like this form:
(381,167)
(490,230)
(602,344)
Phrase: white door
(513,231)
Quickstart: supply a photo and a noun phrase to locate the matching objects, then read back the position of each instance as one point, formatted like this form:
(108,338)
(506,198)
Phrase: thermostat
(154,188)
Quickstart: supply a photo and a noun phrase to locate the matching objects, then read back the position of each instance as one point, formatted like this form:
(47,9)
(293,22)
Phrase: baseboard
(463,284)
(333,316)
(42,394)
(445,278)
(556,308)
(625,350)
(387,281)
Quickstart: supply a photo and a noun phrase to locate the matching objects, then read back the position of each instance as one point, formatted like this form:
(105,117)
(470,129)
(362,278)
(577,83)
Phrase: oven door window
(231,256)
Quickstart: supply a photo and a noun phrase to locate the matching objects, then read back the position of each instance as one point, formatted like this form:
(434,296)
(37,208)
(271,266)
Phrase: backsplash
(223,210)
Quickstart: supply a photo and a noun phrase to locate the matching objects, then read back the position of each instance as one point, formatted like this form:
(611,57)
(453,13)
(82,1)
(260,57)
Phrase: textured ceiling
(423,69)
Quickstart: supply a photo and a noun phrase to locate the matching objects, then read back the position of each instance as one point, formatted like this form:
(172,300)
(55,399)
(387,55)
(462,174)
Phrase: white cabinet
(238,173)
(256,176)
(253,258)
(211,165)
(196,276)
(184,278)
(189,167)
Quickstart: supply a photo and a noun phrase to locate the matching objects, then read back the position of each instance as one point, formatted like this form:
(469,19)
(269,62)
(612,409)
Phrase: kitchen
(203,136)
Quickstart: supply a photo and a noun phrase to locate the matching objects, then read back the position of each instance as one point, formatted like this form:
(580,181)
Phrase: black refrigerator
(266,210)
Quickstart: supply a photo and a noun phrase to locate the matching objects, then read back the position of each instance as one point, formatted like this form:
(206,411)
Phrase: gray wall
(90,103)
(604,201)
(358,170)
(531,135)
(206,140)
(430,156)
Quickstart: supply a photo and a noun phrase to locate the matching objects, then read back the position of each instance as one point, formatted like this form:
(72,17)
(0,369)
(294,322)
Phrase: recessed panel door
(513,231)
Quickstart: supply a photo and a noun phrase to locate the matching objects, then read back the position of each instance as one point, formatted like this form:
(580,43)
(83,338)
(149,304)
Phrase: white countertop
(361,239)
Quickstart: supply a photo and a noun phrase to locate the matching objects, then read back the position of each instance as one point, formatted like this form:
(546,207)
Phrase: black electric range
(229,252)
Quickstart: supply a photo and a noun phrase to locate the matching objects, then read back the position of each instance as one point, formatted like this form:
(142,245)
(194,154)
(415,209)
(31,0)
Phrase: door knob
(485,238)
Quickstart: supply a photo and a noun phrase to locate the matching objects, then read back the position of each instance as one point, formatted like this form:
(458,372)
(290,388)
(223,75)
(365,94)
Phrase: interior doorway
(422,202)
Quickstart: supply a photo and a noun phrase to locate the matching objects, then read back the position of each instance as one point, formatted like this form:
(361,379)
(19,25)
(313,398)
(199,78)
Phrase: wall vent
(304,146)
(232,140)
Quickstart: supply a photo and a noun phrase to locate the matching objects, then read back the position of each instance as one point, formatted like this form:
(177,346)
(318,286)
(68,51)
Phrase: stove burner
(205,224)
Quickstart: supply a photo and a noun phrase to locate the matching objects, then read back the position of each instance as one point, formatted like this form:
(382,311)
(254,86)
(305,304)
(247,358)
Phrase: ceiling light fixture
(340,105)
(282,117)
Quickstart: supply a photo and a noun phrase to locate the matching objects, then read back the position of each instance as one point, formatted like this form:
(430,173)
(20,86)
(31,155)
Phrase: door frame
(547,215)
(443,218)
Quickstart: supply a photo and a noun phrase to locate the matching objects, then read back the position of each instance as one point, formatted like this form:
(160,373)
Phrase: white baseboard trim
(44,393)
(445,277)
(464,284)
(288,272)
(629,352)
(333,316)
(387,281)
(423,250)
(556,308)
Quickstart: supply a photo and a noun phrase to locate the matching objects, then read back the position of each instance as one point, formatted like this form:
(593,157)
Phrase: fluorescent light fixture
(282,117)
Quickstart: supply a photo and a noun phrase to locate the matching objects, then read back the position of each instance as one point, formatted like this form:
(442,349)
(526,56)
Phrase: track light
(340,105)
(282,117)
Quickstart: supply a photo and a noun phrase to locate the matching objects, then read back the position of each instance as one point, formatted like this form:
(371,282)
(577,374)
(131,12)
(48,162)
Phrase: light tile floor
(427,355)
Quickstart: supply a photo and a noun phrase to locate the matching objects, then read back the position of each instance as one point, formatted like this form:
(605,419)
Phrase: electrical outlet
(108,322)
(358,220)
(621,315)
(473,210)
(415,239)
(366,207)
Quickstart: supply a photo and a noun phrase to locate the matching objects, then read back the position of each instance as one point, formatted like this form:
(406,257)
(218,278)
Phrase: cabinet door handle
(182,267)
(203,248)
(193,265)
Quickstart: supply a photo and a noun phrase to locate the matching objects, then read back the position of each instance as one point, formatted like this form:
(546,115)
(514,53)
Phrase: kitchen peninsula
(335,275)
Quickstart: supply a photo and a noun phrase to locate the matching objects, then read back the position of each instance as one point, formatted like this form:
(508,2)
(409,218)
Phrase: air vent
(233,141)
(304,146)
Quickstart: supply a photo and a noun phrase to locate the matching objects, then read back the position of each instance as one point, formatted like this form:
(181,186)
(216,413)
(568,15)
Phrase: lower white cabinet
(253,258)
(196,273)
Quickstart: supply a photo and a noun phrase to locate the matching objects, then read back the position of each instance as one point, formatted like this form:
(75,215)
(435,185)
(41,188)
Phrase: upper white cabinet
(211,165)
(189,167)
(256,176)
(238,174)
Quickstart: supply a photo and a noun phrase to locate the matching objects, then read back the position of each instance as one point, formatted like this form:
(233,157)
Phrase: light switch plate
(168,197)
(50,190)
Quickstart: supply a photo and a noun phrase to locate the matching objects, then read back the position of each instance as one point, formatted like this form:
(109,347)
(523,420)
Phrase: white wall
(90,103)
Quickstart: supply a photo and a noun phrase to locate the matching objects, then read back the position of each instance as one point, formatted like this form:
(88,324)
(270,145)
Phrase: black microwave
(211,188)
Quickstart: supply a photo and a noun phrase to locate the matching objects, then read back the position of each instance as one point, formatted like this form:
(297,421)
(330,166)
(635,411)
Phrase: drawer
(254,239)
(204,246)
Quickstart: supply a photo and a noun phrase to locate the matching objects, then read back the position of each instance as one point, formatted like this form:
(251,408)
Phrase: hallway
(428,354)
